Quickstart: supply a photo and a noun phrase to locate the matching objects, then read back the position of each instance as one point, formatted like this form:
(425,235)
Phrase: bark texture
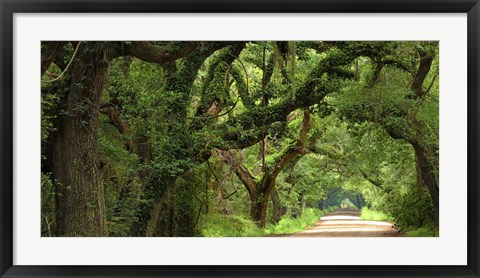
(80,193)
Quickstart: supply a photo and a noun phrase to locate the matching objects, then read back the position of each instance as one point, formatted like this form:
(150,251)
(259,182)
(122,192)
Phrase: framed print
(240,138)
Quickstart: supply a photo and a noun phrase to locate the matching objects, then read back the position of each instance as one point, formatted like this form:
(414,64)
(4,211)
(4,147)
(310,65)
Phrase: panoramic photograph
(239,139)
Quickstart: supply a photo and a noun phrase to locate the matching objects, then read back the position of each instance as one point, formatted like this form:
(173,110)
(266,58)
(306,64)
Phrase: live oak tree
(400,94)
(73,155)
(129,129)
(260,188)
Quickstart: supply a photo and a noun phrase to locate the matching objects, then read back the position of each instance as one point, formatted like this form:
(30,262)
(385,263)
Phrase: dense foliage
(236,138)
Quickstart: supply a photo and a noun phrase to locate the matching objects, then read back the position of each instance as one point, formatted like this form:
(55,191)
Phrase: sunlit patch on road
(340,217)
(347,223)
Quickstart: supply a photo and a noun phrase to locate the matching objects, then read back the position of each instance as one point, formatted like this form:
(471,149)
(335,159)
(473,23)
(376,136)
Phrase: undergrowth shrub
(368,214)
(287,225)
(421,232)
(220,225)
(409,209)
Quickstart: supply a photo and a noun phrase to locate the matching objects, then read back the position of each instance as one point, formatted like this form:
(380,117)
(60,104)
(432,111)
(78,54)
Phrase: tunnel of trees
(202,138)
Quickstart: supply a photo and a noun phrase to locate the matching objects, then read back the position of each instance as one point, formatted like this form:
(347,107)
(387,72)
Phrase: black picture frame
(9,7)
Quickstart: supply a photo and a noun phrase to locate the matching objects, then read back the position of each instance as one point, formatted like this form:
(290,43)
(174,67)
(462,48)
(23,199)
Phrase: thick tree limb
(343,161)
(115,119)
(296,149)
(376,75)
(152,53)
(372,181)
(67,67)
(397,64)
(426,60)
(50,53)
(312,92)
(242,86)
(217,71)
(229,157)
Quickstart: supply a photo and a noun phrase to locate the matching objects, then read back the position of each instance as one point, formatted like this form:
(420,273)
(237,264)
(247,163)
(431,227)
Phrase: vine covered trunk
(259,201)
(79,190)
(258,211)
(277,206)
(161,219)
(428,174)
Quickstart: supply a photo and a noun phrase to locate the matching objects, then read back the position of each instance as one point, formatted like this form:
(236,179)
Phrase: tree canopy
(183,138)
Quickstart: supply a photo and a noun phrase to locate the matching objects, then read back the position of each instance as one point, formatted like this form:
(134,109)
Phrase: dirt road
(346,222)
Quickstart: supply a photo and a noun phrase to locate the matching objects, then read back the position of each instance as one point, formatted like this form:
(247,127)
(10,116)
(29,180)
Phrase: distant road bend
(346,222)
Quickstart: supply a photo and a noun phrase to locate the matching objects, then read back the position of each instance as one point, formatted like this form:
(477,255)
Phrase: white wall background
(449,248)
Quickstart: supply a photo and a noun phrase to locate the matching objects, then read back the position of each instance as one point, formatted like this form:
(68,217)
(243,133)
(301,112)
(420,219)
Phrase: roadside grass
(218,225)
(421,232)
(368,214)
(289,225)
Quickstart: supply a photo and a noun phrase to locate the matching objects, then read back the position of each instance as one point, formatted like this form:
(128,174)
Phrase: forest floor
(346,222)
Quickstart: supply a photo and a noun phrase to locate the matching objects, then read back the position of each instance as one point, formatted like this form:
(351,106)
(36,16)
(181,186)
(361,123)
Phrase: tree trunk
(259,192)
(259,209)
(428,175)
(155,214)
(304,205)
(184,213)
(80,194)
(359,201)
(160,222)
(277,206)
(259,204)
